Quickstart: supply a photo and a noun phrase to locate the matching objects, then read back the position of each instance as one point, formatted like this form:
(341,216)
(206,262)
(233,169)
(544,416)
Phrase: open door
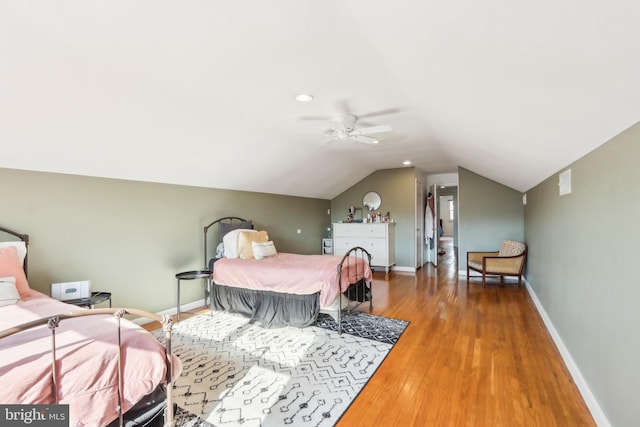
(420,202)
(431,225)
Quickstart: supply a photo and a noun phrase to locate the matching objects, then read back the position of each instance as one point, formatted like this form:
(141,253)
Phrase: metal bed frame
(361,294)
(54,321)
(349,257)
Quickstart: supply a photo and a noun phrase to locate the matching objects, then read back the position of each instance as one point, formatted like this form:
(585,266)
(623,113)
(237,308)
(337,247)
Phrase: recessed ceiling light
(304,97)
(406,163)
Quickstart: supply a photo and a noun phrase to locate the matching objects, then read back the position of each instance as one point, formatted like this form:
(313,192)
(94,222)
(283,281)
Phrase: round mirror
(371,201)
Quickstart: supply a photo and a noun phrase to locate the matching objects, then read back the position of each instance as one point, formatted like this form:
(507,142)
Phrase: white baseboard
(581,383)
(172,311)
(578,379)
(402,269)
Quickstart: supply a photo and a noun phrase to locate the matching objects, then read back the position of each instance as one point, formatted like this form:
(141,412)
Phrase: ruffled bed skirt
(268,309)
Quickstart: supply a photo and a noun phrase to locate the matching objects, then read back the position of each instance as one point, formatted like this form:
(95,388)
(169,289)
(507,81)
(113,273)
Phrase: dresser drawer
(379,258)
(377,239)
(376,247)
(350,242)
(360,230)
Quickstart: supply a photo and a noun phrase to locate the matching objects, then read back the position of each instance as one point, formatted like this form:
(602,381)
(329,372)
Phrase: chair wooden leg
(484,280)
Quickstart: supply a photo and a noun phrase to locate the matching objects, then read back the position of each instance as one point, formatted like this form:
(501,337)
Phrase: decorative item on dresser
(377,238)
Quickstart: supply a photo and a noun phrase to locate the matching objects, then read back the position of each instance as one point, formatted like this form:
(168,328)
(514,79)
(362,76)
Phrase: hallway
(447,254)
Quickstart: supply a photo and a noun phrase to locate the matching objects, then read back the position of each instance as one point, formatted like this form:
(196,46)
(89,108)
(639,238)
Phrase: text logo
(34,415)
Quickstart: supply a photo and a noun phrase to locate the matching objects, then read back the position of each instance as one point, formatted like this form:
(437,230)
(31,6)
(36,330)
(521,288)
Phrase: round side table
(92,301)
(192,275)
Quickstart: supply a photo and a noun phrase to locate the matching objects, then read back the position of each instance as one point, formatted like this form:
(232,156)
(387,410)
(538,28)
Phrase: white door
(419,224)
(432,210)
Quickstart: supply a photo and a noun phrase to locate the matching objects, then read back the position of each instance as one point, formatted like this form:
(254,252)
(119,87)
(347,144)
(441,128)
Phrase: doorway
(419,260)
(446,215)
(448,226)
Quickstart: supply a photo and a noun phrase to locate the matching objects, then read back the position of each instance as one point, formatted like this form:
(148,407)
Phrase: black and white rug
(238,374)
(365,325)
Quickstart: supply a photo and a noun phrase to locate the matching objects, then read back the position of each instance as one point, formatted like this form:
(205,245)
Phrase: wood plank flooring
(470,357)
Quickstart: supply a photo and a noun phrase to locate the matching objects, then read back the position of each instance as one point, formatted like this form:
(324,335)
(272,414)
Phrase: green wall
(583,251)
(397,191)
(131,238)
(488,213)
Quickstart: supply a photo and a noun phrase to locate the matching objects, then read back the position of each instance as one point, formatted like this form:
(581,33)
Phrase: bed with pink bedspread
(285,289)
(86,357)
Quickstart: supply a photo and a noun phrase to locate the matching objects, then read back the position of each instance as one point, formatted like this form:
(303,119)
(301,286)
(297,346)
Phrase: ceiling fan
(343,128)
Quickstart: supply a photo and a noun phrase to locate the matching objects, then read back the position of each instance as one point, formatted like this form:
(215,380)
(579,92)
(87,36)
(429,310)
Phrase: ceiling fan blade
(380,113)
(313,118)
(345,106)
(372,129)
(364,139)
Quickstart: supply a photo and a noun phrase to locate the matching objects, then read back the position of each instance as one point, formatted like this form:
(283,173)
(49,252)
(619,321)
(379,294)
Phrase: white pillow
(263,250)
(230,241)
(8,292)
(20,246)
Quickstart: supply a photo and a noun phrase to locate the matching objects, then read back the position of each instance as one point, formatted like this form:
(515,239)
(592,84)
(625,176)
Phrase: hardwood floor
(470,357)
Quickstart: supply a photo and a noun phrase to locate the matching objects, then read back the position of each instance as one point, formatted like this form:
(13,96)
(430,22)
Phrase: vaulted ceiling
(202,92)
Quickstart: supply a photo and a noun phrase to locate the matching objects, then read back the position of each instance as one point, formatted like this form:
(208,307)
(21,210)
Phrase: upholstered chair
(508,261)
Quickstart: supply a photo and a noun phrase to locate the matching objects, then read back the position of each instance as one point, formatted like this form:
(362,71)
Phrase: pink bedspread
(291,273)
(86,349)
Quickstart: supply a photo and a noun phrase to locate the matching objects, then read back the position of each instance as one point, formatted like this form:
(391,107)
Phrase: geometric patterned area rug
(365,325)
(239,374)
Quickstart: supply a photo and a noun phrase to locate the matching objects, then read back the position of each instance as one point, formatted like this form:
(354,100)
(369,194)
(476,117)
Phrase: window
(451,210)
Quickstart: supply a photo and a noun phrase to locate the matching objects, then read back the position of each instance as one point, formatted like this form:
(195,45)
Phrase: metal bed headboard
(22,237)
(230,220)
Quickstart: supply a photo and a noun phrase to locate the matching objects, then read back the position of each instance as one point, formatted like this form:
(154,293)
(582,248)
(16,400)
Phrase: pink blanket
(86,350)
(291,273)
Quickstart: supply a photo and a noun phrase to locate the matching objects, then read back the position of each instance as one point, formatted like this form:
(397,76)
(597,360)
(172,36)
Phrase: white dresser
(377,238)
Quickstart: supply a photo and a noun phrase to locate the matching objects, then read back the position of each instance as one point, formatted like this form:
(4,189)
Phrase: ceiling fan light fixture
(343,128)
(304,97)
